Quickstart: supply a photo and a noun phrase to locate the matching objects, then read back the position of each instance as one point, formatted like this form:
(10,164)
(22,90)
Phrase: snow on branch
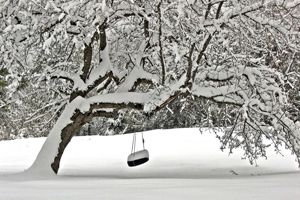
(114,99)
(135,77)
(138,75)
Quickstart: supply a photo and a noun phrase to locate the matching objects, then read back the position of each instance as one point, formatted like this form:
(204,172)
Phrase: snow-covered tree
(113,56)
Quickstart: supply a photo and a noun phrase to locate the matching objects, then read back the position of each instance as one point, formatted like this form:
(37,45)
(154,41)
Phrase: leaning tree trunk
(66,135)
(49,157)
(72,118)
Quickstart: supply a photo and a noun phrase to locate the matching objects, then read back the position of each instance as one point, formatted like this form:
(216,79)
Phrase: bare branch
(161,55)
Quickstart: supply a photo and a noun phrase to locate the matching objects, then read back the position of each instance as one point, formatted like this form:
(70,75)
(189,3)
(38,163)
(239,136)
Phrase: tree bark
(67,133)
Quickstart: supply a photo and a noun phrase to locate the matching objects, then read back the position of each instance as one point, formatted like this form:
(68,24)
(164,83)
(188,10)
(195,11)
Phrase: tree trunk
(49,157)
(66,136)
(76,113)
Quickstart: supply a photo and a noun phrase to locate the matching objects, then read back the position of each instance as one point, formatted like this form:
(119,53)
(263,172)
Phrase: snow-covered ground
(184,164)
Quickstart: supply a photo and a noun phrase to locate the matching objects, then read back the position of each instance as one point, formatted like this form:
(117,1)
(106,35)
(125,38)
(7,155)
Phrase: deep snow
(184,164)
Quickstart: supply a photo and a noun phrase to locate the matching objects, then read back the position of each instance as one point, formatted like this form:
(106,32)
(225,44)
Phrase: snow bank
(184,164)
(177,153)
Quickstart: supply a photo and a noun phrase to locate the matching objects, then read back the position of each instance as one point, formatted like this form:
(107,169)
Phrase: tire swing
(136,158)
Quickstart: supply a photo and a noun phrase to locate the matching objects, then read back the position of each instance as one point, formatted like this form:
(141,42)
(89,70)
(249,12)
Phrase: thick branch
(83,93)
(101,113)
(87,60)
(119,106)
(88,50)
(190,64)
(140,81)
(62,77)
